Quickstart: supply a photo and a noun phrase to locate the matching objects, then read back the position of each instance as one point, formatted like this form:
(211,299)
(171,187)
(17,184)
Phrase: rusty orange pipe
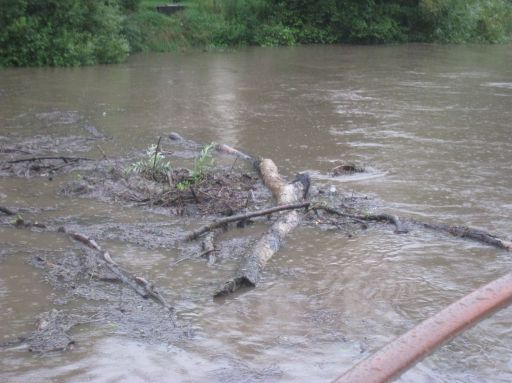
(402,353)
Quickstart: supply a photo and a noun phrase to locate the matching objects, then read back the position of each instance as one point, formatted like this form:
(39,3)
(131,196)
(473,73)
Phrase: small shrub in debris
(153,165)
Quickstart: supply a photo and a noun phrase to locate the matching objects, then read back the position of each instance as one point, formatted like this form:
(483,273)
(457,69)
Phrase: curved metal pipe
(408,349)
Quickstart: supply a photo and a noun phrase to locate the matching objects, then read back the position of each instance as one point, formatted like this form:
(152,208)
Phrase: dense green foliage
(219,23)
(80,32)
(61,32)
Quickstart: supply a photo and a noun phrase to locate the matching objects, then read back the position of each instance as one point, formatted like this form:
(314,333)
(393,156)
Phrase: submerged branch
(388,218)
(468,232)
(140,285)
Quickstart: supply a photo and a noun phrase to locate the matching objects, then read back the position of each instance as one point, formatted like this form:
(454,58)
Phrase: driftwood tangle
(290,198)
(248,273)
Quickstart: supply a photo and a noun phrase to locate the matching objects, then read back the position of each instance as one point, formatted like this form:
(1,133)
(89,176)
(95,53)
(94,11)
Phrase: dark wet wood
(388,218)
(470,233)
(243,217)
(41,158)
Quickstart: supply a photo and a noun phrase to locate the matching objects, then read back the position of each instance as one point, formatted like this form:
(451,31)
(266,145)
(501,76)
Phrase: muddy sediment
(45,155)
(90,291)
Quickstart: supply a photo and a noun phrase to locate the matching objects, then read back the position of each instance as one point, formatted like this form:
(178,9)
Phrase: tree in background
(459,21)
(61,32)
(81,32)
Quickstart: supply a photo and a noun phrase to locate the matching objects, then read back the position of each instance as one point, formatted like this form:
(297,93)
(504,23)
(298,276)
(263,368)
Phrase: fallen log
(402,353)
(248,273)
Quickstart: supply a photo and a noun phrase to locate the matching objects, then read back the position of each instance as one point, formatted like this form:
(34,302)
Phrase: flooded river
(437,119)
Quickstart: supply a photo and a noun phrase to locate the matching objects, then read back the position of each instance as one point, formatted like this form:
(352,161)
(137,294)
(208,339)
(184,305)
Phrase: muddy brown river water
(436,119)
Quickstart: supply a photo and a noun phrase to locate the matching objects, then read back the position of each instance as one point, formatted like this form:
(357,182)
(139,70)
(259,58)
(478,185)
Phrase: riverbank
(72,33)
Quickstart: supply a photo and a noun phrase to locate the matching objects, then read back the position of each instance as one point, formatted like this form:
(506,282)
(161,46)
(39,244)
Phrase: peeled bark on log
(254,262)
(414,345)
(208,246)
(223,148)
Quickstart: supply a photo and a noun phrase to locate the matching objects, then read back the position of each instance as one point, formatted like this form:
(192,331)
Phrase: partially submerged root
(208,247)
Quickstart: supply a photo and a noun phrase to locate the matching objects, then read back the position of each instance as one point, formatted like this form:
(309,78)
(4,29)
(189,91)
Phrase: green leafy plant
(17,220)
(204,161)
(184,185)
(201,164)
(153,165)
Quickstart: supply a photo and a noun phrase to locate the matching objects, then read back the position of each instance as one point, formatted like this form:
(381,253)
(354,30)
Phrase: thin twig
(102,152)
(156,153)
